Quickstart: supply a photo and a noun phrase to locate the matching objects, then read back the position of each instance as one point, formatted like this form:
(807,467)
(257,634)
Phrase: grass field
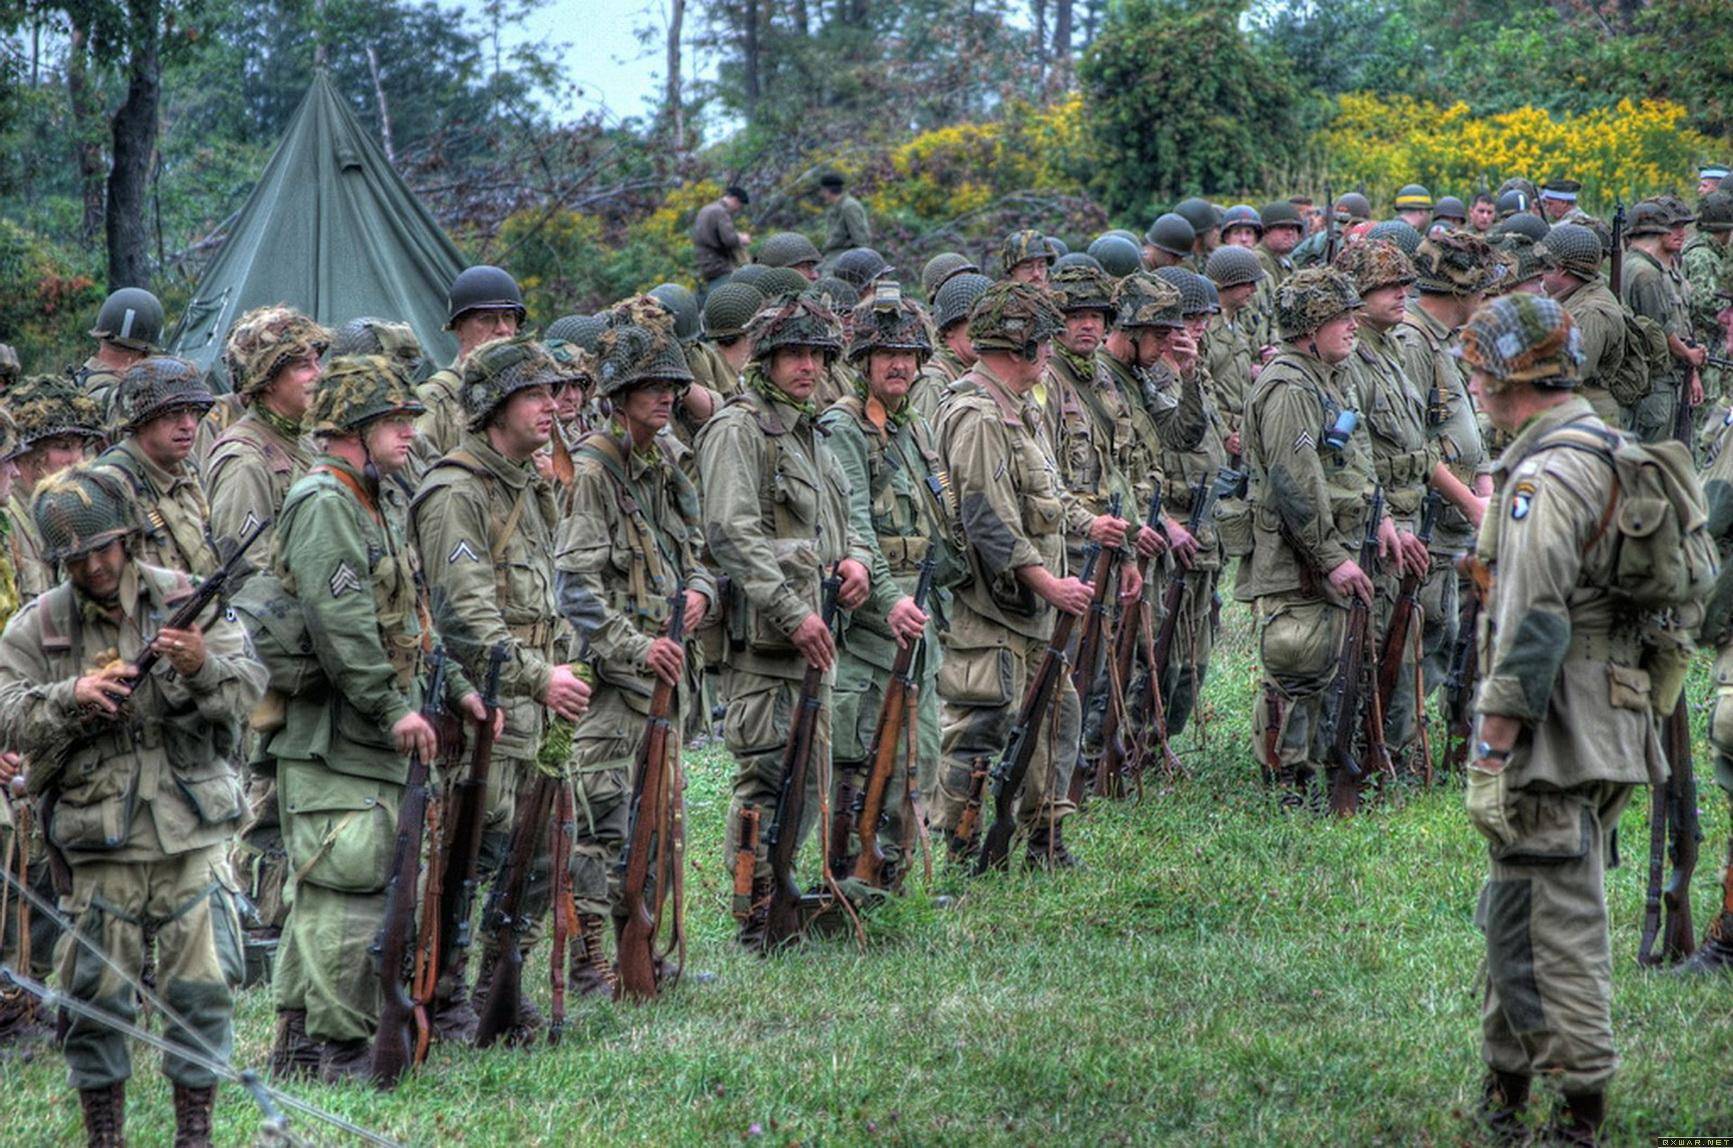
(1219,973)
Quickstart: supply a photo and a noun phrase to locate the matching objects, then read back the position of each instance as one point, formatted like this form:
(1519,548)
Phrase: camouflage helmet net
(1523,338)
(47,406)
(939,270)
(577,365)
(11,445)
(1013,316)
(1233,267)
(957,298)
(1079,287)
(629,354)
(782,283)
(833,293)
(1375,263)
(1452,263)
(370,336)
(81,509)
(582,330)
(1143,299)
(356,389)
(859,266)
(1576,249)
(1715,213)
(787,249)
(728,308)
(1192,288)
(265,339)
(1524,260)
(1022,246)
(1311,298)
(1397,231)
(797,322)
(157,386)
(878,326)
(499,369)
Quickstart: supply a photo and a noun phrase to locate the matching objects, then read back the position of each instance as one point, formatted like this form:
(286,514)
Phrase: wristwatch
(1485,750)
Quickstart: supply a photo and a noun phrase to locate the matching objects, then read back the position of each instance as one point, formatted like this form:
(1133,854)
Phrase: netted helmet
(833,293)
(940,268)
(1353,205)
(356,389)
(48,406)
(1215,297)
(499,369)
(787,249)
(1454,263)
(1146,300)
(796,322)
(1375,263)
(1715,213)
(957,298)
(859,266)
(1450,209)
(264,340)
(1281,214)
(1397,231)
(482,288)
(1523,338)
(10,368)
(1233,267)
(1413,197)
(577,365)
(1199,212)
(781,282)
(1015,317)
(369,336)
(883,325)
(159,385)
(681,304)
(1576,248)
(629,355)
(1524,223)
(1076,259)
(1082,289)
(1529,259)
(752,275)
(728,308)
(1311,298)
(81,509)
(1242,215)
(1501,269)
(11,444)
(581,330)
(1171,233)
(130,317)
(1117,255)
(1193,297)
(1022,246)
(1648,218)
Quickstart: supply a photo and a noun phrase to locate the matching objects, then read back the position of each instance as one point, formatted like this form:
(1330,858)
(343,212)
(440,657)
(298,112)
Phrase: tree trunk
(676,108)
(1039,7)
(749,56)
(134,141)
(385,136)
(1061,44)
(802,18)
(87,151)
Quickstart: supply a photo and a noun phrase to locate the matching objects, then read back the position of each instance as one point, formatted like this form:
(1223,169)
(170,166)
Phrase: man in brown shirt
(718,246)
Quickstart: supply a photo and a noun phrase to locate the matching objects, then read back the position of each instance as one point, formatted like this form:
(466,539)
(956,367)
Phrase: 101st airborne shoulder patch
(1521,499)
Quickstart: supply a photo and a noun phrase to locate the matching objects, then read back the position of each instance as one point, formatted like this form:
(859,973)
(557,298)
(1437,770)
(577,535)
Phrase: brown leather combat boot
(1503,1101)
(104,1116)
(193,1116)
(1047,847)
(1577,1123)
(591,972)
(295,1055)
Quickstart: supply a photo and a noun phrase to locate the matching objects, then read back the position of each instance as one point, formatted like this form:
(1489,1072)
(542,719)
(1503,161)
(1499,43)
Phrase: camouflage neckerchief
(1083,366)
(287,427)
(647,456)
(895,419)
(758,381)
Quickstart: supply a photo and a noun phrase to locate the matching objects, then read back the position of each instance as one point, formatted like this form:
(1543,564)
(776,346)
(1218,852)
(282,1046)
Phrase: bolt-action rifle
(1345,714)
(1110,772)
(1089,652)
(1673,829)
(1396,638)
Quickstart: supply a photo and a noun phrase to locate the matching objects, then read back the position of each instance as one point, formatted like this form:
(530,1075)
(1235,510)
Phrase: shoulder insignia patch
(344,580)
(461,552)
(1521,498)
(1305,442)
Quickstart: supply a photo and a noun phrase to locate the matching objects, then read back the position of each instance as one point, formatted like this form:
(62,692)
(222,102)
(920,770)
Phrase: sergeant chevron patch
(344,580)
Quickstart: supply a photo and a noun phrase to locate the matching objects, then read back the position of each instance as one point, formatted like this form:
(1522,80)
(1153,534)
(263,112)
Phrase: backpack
(1646,358)
(281,640)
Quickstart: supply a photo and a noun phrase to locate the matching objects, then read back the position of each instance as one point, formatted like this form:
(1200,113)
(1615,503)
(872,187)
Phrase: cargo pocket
(853,716)
(758,720)
(980,677)
(338,830)
(94,816)
(1298,643)
(215,794)
(1550,830)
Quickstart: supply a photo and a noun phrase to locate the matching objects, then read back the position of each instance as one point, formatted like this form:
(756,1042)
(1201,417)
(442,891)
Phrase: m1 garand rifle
(784,921)
(1347,714)
(502,996)
(403,1023)
(1616,261)
(1089,645)
(1396,634)
(651,830)
(1012,767)
(459,866)
(1203,500)
(1673,830)
(1111,773)
(895,729)
(1459,683)
(1332,232)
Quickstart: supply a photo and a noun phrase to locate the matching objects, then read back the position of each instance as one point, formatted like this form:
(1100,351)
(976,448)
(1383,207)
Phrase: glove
(1488,801)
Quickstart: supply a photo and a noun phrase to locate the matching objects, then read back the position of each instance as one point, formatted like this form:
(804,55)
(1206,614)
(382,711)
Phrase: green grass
(1219,973)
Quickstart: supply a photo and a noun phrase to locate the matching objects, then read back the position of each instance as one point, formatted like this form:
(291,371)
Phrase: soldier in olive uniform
(941,269)
(1654,289)
(57,427)
(1234,341)
(1578,286)
(483,304)
(342,750)
(1716,951)
(845,220)
(1566,727)
(899,501)
(1013,511)
(158,410)
(955,354)
(128,326)
(1312,482)
(1705,262)
(776,521)
(1168,242)
(724,351)
(1025,257)
(630,539)
(484,522)
(142,798)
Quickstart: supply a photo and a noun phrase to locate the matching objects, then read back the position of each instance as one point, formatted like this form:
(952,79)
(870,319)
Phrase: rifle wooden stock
(403,1023)
(468,814)
(1344,710)
(895,722)
(745,860)
(1013,765)
(1402,616)
(503,993)
(782,923)
(647,835)
(1089,653)
(1173,597)
(969,821)
(1675,833)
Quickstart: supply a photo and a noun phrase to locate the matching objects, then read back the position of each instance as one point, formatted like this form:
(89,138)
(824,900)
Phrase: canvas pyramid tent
(332,230)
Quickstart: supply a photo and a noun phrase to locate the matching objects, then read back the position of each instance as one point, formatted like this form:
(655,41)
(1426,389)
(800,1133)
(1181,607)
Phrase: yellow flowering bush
(961,168)
(1628,150)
